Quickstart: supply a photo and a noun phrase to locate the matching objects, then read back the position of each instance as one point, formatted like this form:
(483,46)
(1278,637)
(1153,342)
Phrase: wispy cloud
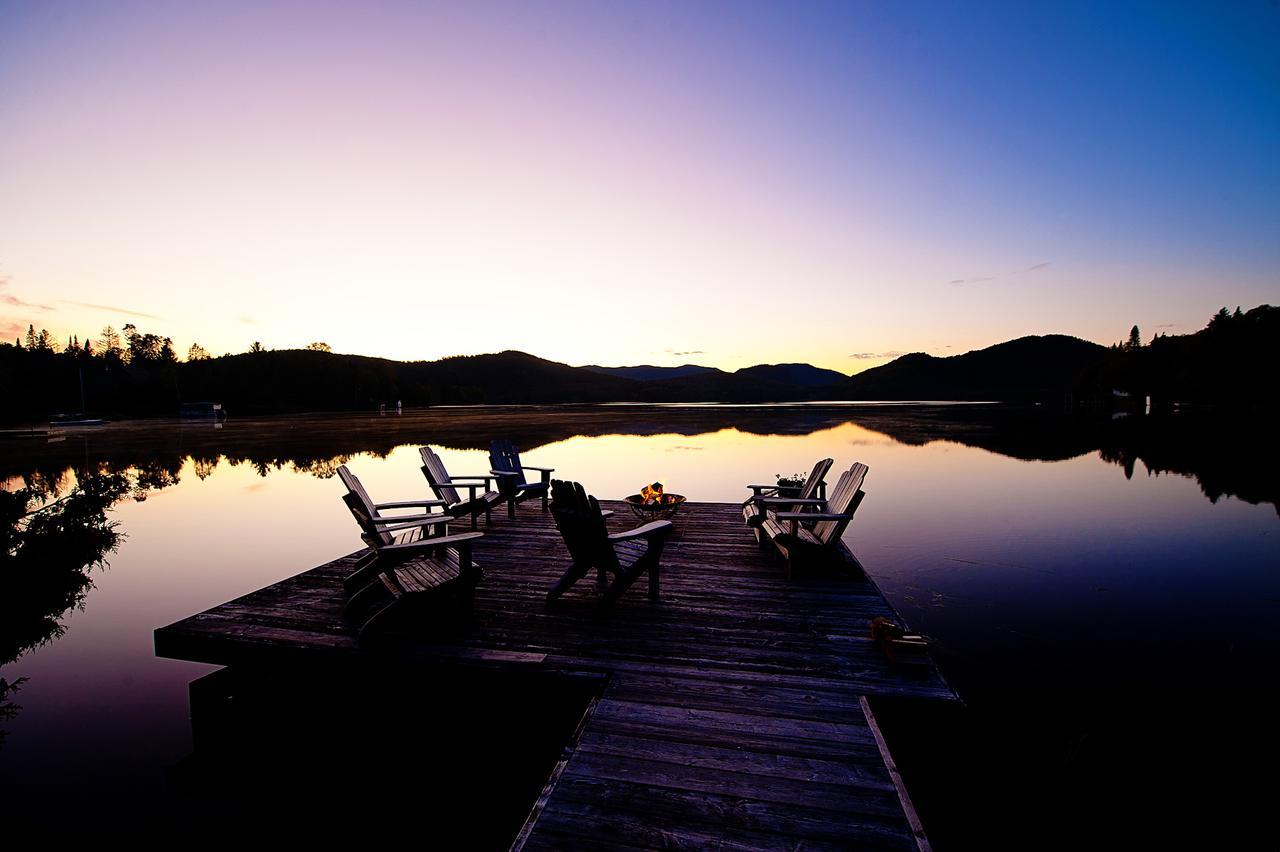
(690,352)
(247,320)
(981,279)
(112,309)
(8,329)
(9,299)
(1167,325)
(869,356)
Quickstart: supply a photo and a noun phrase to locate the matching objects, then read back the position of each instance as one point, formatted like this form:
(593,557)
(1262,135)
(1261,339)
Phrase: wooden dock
(732,713)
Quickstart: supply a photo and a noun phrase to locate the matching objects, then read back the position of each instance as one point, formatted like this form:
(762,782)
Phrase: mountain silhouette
(1026,368)
(648,372)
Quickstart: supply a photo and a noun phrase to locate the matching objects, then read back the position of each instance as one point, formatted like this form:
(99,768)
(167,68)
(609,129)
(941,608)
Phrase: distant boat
(30,430)
(202,411)
(77,419)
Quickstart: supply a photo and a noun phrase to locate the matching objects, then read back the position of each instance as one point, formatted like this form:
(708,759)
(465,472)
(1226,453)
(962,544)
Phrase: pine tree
(110,341)
(1135,339)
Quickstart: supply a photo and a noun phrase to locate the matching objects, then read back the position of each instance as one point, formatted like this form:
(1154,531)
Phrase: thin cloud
(112,309)
(16,302)
(690,352)
(868,356)
(247,320)
(981,279)
(11,329)
(1167,325)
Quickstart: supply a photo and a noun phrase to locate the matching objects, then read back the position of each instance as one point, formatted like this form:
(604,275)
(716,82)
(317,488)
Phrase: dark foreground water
(1103,595)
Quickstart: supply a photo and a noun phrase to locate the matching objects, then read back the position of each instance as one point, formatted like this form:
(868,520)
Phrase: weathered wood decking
(731,717)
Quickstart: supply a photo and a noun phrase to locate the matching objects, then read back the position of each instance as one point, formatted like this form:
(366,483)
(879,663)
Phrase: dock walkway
(732,714)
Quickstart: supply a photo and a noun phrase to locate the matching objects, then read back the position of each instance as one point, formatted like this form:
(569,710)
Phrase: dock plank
(732,716)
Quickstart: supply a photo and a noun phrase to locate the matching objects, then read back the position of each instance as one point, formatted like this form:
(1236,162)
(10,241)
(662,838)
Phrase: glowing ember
(652,493)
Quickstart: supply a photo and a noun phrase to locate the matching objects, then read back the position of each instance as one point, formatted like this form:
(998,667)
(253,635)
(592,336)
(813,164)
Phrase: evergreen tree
(109,343)
(1135,339)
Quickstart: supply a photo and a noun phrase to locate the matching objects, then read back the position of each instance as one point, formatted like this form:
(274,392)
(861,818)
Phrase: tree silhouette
(1135,339)
(109,342)
(319,346)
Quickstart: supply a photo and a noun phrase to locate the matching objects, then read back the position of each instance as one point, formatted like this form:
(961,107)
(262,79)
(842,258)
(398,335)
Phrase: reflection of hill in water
(1227,458)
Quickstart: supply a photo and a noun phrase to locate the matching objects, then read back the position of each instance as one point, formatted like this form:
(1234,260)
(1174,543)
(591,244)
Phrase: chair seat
(629,553)
(752,515)
(532,487)
(479,504)
(424,573)
(779,531)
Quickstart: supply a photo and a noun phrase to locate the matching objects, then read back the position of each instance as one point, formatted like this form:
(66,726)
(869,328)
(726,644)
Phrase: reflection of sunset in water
(1021,570)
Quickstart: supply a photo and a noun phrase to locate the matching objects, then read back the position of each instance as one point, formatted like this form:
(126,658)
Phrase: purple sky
(614,183)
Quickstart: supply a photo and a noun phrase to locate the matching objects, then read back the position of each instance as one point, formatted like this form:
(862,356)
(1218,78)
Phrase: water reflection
(1228,457)
(1074,609)
(55,531)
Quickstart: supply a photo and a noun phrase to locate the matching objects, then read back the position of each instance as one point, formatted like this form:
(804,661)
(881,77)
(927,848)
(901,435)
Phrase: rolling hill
(1026,368)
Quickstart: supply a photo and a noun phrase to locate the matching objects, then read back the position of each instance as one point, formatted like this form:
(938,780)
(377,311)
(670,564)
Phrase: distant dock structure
(202,411)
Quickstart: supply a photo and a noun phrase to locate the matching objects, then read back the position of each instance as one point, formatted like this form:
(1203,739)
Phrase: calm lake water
(1103,595)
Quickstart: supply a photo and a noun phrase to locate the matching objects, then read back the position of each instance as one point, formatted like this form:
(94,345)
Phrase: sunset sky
(622,183)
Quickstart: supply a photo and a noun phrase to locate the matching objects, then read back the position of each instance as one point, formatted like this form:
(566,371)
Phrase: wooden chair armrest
(532,467)
(812,516)
(791,501)
(505,472)
(413,520)
(408,504)
(650,529)
(442,519)
(428,543)
(606,513)
(484,479)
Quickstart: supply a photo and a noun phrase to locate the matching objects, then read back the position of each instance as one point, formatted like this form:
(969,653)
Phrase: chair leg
(488,514)
(361,595)
(511,507)
(365,568)
(575,573)
(377,618)
(653,580)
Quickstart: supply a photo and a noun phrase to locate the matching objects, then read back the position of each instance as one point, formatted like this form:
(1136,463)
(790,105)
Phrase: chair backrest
(817,477)
(844,498)
(438,478)
(504,456)
(372,529)
(581,525)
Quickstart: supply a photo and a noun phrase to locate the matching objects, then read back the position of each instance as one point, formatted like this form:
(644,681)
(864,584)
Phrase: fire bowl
(653,510)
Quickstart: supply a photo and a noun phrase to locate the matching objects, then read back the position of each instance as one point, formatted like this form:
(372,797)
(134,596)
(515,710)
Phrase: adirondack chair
(624,555)
(446,488)
(504,459)
(764,497)
(409,556)
(795,542)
